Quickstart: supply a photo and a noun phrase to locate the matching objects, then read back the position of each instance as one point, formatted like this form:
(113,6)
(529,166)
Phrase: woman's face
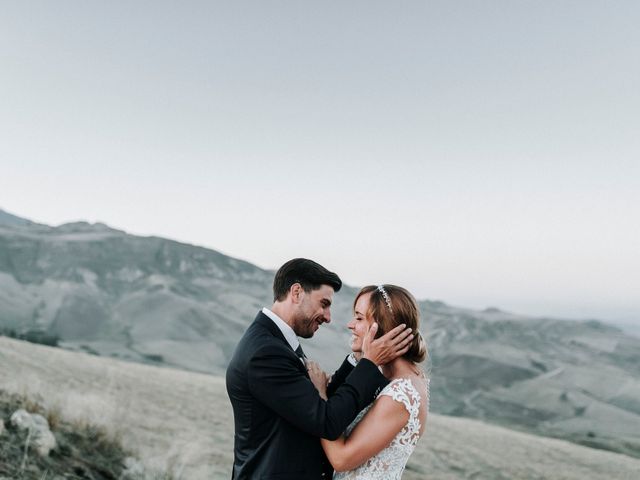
(359,324)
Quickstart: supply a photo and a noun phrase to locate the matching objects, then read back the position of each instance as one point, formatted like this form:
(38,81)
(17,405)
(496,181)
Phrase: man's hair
(309,274)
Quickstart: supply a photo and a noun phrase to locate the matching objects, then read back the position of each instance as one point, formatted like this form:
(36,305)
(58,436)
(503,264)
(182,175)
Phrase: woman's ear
(378,330)
(379,333)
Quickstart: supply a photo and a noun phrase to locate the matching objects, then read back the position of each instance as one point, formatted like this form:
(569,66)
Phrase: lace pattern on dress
(390,462)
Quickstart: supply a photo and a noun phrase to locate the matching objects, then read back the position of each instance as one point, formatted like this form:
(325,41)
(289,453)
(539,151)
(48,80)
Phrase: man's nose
(327,316)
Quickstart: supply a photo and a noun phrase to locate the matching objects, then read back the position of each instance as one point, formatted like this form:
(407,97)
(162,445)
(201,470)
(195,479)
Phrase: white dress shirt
(284,327)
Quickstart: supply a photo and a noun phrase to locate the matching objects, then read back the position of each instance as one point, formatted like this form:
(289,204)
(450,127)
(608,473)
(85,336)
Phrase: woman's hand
(318,377)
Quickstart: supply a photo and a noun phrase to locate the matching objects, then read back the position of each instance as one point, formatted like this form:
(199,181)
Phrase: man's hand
(390,346)
(318,377)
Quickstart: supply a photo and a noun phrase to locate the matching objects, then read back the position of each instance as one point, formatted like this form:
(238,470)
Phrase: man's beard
(305,326)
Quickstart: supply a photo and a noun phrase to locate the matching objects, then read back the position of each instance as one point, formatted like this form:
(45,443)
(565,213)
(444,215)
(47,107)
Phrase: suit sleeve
(276,379)
(339,376)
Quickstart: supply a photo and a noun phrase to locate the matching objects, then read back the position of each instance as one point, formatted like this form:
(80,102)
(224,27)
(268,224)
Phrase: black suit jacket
(278,414)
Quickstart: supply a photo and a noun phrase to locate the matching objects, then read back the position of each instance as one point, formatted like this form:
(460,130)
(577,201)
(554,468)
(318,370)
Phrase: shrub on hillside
(83,451)
(33,336)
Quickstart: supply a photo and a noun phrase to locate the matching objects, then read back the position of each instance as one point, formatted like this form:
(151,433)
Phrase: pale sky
(480,153)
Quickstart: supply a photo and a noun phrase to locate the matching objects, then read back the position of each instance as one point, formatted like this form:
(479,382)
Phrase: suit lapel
(267,323)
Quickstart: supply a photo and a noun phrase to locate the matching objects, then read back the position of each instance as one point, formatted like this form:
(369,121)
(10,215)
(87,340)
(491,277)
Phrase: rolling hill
(181,422)
(152,300)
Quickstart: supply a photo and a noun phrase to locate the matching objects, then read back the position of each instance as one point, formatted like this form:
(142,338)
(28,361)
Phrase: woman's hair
(390,306)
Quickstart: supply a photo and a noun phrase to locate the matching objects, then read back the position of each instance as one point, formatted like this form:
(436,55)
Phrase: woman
(378,443)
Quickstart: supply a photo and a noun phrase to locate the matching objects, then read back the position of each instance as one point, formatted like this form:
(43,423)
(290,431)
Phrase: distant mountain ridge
(158,301)
(137,298)
(9,219)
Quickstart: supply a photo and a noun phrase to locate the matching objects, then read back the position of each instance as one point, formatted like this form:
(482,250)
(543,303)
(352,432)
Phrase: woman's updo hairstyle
(391,306)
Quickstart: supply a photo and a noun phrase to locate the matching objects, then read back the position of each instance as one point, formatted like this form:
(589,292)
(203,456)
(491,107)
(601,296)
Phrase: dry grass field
(182,422)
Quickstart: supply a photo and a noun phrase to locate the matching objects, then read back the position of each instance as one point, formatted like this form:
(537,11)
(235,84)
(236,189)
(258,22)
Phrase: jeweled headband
(385,295)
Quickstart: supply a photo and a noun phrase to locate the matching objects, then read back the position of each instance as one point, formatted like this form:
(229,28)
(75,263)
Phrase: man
(278,414)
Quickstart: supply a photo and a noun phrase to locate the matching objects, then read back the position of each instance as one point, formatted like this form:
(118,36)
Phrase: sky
(479,153)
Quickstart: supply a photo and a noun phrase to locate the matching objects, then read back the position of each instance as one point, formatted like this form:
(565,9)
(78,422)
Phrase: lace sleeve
(402,390)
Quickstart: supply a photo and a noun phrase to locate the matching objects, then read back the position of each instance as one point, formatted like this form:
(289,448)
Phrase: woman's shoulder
(408,391)
(409,384)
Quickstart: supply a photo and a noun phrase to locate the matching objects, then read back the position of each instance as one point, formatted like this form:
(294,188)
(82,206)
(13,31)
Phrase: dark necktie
(300,353)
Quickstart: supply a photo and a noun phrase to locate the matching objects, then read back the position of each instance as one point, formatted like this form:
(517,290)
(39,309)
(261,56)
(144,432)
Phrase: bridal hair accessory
(385,295)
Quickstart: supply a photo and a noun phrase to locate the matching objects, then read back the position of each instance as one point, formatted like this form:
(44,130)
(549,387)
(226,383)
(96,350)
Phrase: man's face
(313,310)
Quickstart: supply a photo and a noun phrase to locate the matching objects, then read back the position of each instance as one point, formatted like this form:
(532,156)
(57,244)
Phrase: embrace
(292,420)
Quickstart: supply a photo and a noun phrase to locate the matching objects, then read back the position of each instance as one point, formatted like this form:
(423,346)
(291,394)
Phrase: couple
(291,421)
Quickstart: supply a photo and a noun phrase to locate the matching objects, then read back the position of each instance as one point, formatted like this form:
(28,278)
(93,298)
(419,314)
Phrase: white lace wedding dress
(390,462)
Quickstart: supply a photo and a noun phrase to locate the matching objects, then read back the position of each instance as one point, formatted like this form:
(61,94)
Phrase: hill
(181,421)
(97,289)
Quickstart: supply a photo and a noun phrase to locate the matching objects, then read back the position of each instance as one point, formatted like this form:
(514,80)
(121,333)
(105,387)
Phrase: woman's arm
(373,434)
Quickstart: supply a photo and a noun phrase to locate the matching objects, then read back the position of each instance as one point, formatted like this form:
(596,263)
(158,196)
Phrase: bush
(33,336)
(83,451)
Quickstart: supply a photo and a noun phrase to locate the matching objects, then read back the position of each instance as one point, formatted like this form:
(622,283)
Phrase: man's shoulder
(260,336)
(260,340)
(260,329)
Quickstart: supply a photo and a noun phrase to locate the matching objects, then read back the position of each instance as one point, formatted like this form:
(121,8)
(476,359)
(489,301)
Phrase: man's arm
(340,376)
(379,351)
(276,380)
